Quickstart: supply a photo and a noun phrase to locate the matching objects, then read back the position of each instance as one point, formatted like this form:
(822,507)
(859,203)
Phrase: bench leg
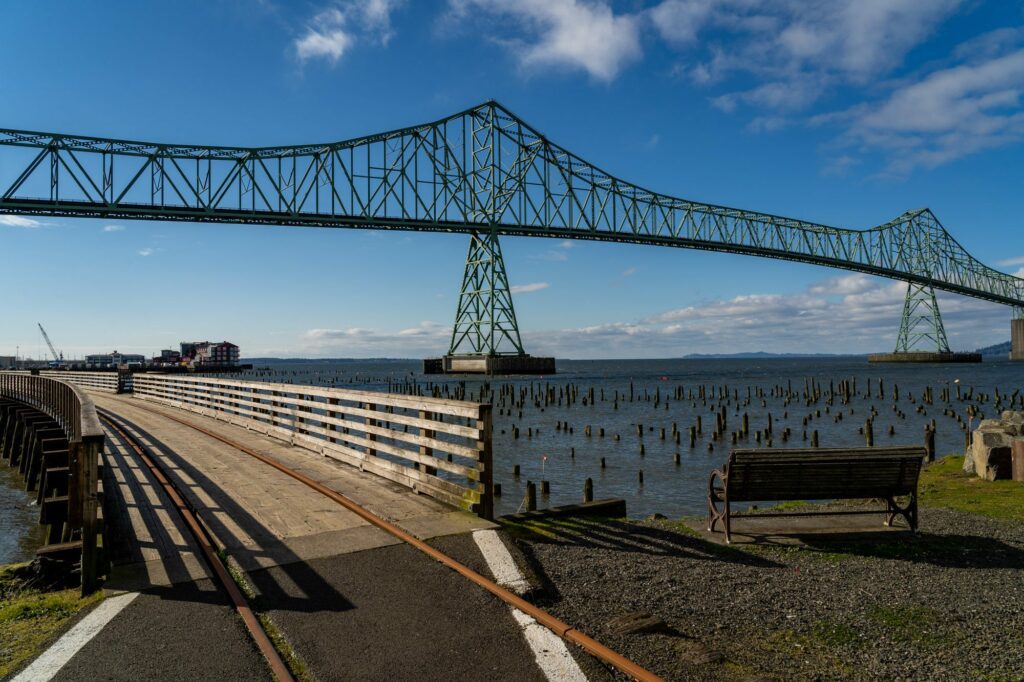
(909,512)
(714,515)
(728,526)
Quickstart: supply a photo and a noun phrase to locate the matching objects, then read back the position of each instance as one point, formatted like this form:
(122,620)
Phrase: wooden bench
(817,474)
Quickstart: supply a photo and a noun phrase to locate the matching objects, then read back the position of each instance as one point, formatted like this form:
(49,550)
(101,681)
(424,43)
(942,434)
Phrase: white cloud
(796,48)
(427,338)
(332,32)
(146,252)
(629,272)
(796,51)
(329,44)
(847,314)
(851,313)
(558,253)
(527,288)
(19,221)
(574,34)
(948,114)
(1017,260)
(679,21)
(113,228)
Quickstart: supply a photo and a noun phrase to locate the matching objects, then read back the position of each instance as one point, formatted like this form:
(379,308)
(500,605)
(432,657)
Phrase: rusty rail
(567,632)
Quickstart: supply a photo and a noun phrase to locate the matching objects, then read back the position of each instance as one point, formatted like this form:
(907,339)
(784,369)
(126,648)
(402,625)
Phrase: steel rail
(206,543)
(560,628)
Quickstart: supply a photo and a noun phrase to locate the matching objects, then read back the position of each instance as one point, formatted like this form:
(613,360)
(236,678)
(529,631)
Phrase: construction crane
(58,361)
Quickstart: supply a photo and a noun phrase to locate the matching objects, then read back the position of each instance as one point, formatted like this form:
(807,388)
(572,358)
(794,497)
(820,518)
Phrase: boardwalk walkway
(351,600)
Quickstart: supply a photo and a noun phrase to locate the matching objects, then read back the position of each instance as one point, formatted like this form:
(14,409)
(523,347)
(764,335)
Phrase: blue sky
(846,112)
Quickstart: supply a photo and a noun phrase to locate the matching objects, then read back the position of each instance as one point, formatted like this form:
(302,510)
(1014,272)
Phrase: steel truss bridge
(483,172)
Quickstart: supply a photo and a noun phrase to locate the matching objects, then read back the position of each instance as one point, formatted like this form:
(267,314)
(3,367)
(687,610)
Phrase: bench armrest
(721,475)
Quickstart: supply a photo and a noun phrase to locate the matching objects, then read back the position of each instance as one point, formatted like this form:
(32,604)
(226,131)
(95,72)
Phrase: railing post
(424,450)
(485,447)
(89,453)
(331,414)
(372,452)
(124,378)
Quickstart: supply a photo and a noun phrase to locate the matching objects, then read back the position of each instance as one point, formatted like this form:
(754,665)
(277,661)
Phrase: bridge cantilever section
(480,169)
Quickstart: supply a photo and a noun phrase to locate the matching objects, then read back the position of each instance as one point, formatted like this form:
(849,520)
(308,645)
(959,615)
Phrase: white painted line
(549,650)
(54,658)
(500,561)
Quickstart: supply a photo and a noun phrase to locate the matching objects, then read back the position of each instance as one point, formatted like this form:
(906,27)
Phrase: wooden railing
(98,381)
(73,411)
(440,448)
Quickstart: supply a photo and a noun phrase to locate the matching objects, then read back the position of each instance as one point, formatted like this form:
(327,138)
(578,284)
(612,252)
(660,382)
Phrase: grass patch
(291,658)
(553,527)
(944,484)
(530,529)
(30,617)
(284,647)
(786,505)
(834,634)
(907,623)
(821,647)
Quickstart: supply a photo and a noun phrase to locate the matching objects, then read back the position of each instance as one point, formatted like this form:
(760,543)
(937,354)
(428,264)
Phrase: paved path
(351,600)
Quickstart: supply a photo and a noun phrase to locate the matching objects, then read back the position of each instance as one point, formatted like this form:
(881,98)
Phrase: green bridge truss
(483,172)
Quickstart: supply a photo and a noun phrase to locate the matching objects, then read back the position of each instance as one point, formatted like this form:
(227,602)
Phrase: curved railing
(73,411)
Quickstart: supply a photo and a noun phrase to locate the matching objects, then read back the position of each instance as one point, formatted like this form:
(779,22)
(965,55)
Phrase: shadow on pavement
(298,588)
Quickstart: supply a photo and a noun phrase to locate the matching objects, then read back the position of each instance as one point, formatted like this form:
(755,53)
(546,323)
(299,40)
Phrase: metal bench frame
(911,456)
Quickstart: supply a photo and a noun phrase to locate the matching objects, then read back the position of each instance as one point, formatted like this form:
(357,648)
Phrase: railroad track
(204,538)
(280,669)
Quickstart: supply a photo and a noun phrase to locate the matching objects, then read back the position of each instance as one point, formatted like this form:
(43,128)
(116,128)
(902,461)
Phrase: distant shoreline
(691,356)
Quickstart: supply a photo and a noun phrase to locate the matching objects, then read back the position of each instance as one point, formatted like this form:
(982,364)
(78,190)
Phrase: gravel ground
(945,604)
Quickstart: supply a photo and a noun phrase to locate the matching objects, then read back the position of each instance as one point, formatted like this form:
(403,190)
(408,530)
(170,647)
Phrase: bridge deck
(265,518)
(350,601)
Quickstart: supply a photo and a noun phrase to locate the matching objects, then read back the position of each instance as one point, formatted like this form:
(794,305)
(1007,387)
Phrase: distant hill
(762,354)
(998,349)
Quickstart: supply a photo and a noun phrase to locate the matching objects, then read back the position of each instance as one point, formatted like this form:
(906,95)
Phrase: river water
(20,532)
(670,488)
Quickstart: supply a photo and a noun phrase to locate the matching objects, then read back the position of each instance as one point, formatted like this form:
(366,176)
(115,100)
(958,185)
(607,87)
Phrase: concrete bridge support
(1017,338)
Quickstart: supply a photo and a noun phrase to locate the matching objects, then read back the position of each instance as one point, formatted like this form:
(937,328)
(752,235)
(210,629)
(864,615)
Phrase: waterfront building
(167,357)
(206,353)
(114,359)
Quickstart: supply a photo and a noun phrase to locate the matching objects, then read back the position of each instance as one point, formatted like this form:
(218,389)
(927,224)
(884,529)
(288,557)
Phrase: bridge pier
(485,337)
(921,329)
(1017,338)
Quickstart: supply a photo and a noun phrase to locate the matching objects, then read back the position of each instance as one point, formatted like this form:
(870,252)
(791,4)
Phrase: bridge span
(486,173)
